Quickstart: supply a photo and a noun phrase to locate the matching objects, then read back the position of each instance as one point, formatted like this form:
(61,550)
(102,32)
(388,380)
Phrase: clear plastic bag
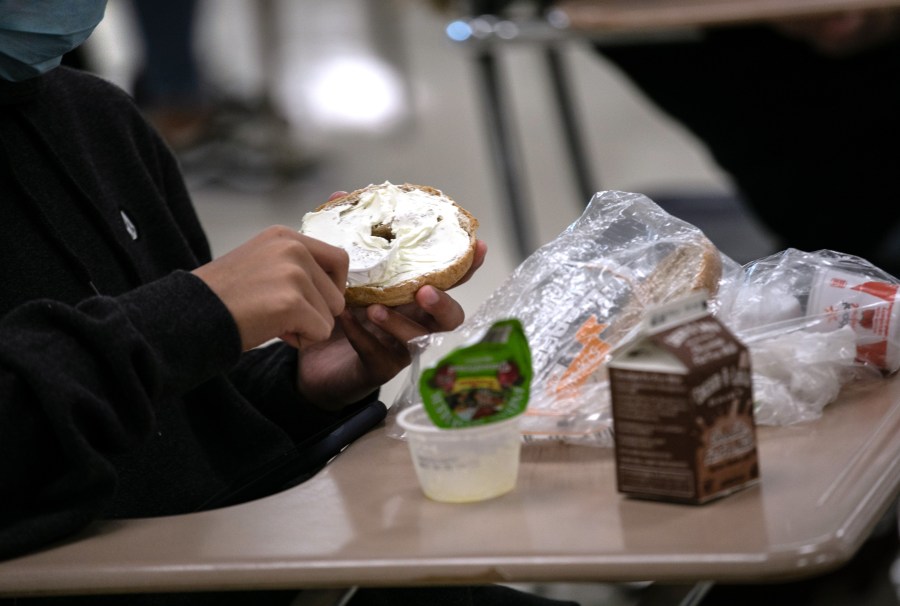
(579,296)
(813,322)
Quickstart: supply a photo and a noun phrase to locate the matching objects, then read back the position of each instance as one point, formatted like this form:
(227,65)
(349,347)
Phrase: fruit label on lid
(480,383)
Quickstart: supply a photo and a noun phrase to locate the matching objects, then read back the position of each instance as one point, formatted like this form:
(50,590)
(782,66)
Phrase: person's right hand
(280,284)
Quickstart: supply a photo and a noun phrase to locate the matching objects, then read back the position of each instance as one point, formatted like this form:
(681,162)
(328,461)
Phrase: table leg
(499,124)
(565,105)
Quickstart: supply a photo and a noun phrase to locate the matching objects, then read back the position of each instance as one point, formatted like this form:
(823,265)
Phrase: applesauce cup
(462,465)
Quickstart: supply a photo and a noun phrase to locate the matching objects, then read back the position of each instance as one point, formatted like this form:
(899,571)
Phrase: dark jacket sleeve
(266,376)
(78,383)
(94,394)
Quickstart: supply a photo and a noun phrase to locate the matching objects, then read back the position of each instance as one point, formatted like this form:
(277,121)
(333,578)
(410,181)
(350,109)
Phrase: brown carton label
(683,413)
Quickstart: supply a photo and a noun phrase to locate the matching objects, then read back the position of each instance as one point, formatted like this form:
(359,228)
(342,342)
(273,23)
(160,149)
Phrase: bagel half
(692,266)
(399,238)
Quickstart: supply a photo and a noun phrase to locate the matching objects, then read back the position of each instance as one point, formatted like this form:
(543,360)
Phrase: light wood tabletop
(363,521)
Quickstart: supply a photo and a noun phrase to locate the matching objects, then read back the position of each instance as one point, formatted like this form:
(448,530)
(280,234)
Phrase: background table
(364,521)
(550,27)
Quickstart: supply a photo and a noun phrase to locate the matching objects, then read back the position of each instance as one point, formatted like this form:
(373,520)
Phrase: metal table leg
(577,150)
(499,124)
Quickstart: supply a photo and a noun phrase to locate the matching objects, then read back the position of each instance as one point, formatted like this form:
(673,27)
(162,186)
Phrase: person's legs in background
(168,85)
(808,138)
(219,139)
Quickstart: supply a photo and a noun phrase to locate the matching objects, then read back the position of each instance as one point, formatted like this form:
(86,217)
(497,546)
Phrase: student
(801,114)
(134,376)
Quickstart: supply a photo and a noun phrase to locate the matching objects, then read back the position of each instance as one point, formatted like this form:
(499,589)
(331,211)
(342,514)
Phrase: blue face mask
(35,34)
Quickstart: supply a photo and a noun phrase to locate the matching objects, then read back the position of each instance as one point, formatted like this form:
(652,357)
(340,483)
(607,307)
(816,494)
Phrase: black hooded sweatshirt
(123,389)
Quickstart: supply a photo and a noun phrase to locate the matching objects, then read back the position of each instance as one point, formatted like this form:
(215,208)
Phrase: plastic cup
(870,307)
(466,464)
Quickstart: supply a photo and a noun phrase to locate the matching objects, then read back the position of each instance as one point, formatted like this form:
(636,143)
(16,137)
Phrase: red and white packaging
(869,306)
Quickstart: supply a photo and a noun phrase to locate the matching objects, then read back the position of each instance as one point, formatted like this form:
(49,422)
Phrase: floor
(411,113)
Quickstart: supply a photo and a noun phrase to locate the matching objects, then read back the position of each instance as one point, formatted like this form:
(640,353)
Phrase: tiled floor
(411,113)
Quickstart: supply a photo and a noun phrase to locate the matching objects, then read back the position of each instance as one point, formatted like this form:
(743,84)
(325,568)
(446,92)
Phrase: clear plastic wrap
(579,296)
(813,322)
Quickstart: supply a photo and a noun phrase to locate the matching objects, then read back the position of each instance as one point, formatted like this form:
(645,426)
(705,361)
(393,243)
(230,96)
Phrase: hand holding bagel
(297,287)
(368,347)
(280,284)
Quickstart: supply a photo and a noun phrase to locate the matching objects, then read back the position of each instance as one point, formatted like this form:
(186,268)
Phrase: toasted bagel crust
(691,267)
(440,277)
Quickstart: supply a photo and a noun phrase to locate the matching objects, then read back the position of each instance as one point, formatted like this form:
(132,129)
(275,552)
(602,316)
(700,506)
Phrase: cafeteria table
(552,26)
(363,521)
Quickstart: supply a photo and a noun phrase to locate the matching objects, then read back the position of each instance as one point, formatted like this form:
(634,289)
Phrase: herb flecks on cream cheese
(391,235)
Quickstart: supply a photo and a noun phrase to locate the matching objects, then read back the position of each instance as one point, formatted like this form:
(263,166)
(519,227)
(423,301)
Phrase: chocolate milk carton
(683,408)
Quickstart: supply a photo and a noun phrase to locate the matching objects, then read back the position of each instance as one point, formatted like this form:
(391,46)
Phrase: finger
(381,361)
(396,325)
(445,311)
(320,291)
(312,301)
(317,307)
(441,312)
(477,261)
(292,339)
(313,320)
(296,341)
(335,264)
(333,260)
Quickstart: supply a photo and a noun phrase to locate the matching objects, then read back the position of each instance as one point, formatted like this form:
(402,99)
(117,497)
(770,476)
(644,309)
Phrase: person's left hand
(368,345)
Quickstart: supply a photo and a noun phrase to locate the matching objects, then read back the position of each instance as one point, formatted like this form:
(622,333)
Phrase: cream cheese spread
(391,235)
